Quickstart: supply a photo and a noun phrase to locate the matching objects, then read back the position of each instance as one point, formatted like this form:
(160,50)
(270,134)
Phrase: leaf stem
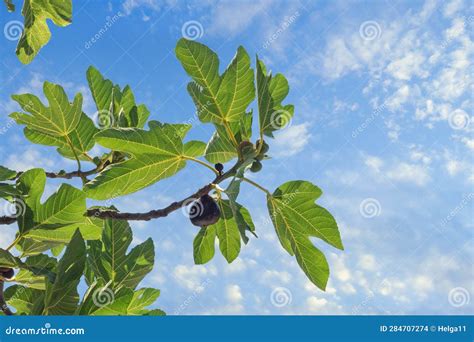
(210,167)
(256,185)
(74,152)
(261,143)
(231,134)
(17,239)
(88,156)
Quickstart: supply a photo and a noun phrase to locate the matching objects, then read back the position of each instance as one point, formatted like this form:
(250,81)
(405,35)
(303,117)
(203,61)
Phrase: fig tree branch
(73,174)
(3,304)
(157,213)
(163,212)
(7,220)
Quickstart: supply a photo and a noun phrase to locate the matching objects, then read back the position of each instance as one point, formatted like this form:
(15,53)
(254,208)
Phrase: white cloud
(316,304)
(399,98)
(273,276)
(452,7)
(408,66)
(348,288)
(454,167)
(291,140)
(374,163)
(34,86)
(468,142)
(192,277)
(417,71)
(456,30)
(417,155)
(422,284)
(234,294)
(28,159)
(130,5)
(231,18)
(339,60)
(367,262)
(409,173)
(340,269)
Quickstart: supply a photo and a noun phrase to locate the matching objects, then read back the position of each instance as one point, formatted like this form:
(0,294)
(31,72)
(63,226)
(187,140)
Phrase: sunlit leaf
(109,259)
(36,33)
(21,298)
(218,98)
(271,91)
(194,148)
(6,174)
(157,154)
(8,260)
(61,297)
(63,208)
(203,245)
(297,218)
(59,119)
(82,139)
(117,106)
(227,232)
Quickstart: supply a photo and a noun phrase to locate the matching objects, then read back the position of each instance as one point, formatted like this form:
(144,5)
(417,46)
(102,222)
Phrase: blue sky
(383,124)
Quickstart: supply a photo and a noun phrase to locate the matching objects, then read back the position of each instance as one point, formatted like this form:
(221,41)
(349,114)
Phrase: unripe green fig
(247,150)
(204,211)
(264,149)
(256,166)
(96,160)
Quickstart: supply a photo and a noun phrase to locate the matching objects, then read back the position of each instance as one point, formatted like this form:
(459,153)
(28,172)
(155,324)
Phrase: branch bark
(153,214)
(163,212)
(7,220)
(3,304)
(70,175)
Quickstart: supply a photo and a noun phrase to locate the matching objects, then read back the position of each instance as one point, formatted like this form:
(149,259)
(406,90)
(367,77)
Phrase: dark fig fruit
(204,211)
(219,167)
(7,273)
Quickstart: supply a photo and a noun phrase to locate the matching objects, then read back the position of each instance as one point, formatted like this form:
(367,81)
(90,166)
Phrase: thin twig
(163,212)
(72,174)
(7,220)
(157,213)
